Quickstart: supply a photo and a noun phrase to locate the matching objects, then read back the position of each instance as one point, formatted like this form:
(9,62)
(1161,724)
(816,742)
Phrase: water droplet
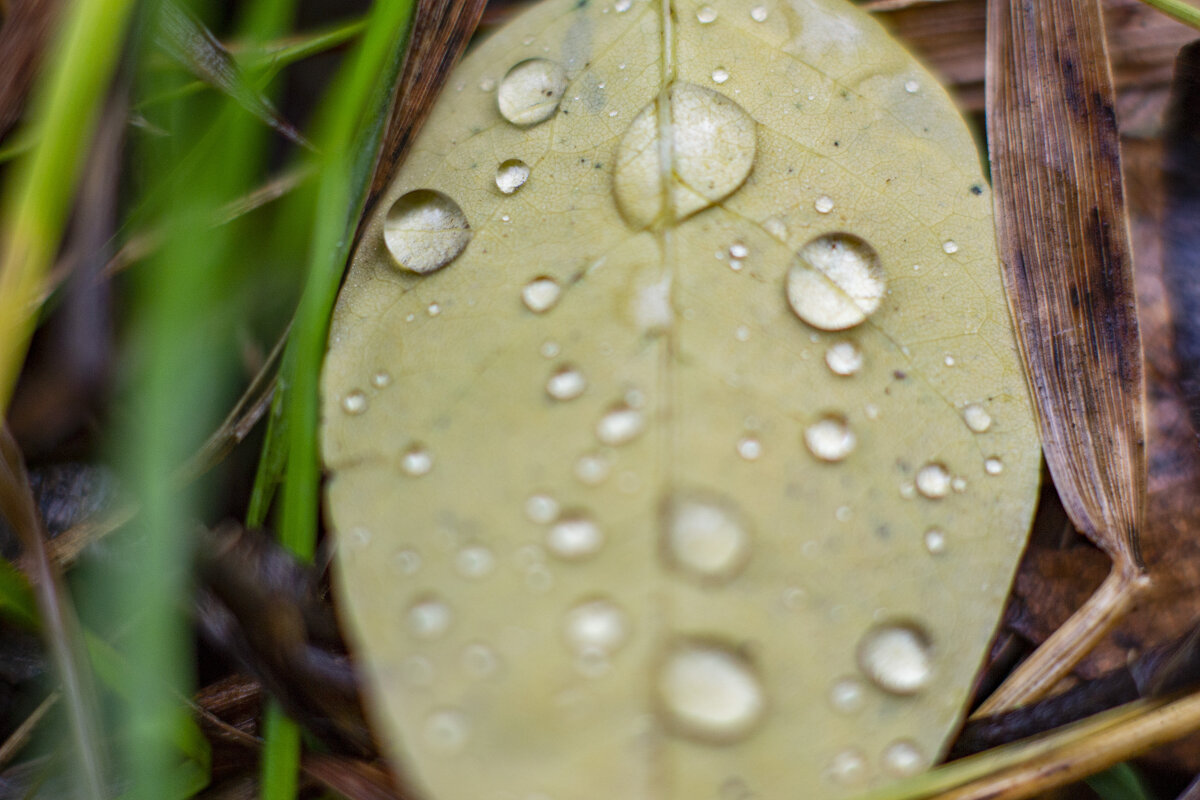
(993,466)
(540,295)
(620,425)
(487,85)
(424,231)
(844,358)
(511,175)
(531,91)
(847,695)
(479,660)
(623,5)
(446,730)
(475,561)
(843,514)
(912,87)
(935,541)
(823,204)
(429,618)
(776,227)
(541,508)
(710,693)
(749,448)
(835,282)
(948,361)
(720,75)
(830,438)
(416,461)
(933,481)
(574,537)
(959,484)
(592,469)
(360,537)
(714,147)
(950,247)
(706,15)
(896,658)
(549,349)
(902,758)
(354,403)
(566,383)
(977,418)
(381,380)
(596,627)
(738,250)
(759,13)
(848,767)
(705,536)
(407,561)
(433,310)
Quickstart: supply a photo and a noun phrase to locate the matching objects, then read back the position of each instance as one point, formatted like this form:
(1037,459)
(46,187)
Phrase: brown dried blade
(1064,244)
(26,29)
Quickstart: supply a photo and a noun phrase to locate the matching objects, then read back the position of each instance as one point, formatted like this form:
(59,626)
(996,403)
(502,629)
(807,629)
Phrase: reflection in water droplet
(574,537)
(424,231)
(759,13)
(847,695)
(933,481)
(950,247)
(823,204)
(705,536)
(620,425)
(993,466)
(848,767)
(479,660)
(706,15)
(844,358)
(830,438)
(977,418)
(902,758)
(511,175)
(416,461)
(541,508)
(531,91)
(354,403)
(475,561)
(720,75)
(429,618)
(749,448)
(566,383)
(896,657)
(835,282)
(935,541)
(592,469)
(713,148)
(541,294)
(446,730)
(710,693)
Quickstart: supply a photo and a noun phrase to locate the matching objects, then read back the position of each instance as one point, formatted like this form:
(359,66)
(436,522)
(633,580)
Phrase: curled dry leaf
(678,439)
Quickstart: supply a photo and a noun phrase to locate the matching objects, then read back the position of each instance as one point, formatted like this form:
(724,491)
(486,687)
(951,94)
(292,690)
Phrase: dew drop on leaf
(424,231)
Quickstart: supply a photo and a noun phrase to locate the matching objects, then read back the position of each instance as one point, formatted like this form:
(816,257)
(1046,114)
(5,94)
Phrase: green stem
(1183,11)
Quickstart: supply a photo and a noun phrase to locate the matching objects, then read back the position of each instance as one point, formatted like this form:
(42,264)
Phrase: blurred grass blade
(1064,244)
(296,48)
(191,44)
(1181,221)
(38,194)
(1177,9)
(1121,782)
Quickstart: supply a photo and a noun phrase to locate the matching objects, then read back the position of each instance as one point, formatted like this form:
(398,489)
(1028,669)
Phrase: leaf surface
(678,441)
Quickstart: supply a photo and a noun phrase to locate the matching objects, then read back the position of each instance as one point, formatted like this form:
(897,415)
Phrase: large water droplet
(896,657)
(531,91)
(566,383)
(710,693)
(620,425)
(835,282)
(933,481)
(511,175)
(575,536)
(902,758)
(541,294)
(830,438)
(713,150)
(844,358)
(424,231)
(977,418)
(705,536)
(429,618)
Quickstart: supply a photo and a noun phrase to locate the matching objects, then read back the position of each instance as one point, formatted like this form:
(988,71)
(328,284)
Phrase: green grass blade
(1181,10)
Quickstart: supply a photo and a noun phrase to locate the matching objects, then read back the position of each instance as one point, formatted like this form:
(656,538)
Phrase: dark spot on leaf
(898,375)
(976,189)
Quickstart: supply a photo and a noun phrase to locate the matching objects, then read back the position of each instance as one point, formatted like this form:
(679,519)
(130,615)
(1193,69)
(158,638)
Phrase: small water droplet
(912,87)
(844,358)
(742,333)
(574,537)
(749,448)
(935,541)
(705,536)
(566,383)
(416,461)
(531,91)
(847,695)
(479,660)
(620,425)
(360,537)
(623,5)
(475,561)
(710,693)
(907,490)
(776,227)
(958,484)
(487,85)
(948,361)
(843,514)
(541,508)
(738,250)
(592,469)
(354,403)
(549,349)
(896,657)
(823,204)
(950,247)
(434,309)
(871,411)
(594,629)
(902,758)
(446,730)
(993,466)
(511,175)
(381,380)
(540,295)
(429,618)
(759,13)
(977,418)
(720,75)
(835,282)
(848,767)
(706,15)
(933,481)
(407,561)
(830,438)
(424,231)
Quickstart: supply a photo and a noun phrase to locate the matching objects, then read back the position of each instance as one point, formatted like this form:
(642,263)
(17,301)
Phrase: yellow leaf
(677,439)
